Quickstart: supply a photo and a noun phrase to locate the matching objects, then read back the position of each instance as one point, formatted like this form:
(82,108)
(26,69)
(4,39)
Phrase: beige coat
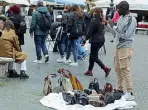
(9,46)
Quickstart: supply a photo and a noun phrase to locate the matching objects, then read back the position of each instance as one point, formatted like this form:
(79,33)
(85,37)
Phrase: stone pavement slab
(16,94)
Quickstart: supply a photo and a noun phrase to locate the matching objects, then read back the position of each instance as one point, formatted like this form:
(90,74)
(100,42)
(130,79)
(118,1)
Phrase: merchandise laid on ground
(69,94)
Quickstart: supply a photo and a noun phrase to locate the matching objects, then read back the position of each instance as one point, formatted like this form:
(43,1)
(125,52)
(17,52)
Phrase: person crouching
(9,48)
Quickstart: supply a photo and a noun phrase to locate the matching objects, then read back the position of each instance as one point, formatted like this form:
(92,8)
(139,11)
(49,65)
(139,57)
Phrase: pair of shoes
(23,75)
(67,62)
(74,64)
(129,96)
(88,73)
(61,60)
(40,61)
(13,74)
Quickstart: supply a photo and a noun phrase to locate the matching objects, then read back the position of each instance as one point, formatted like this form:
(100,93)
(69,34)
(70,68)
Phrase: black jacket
(74,20)
(96,30)
(16,19)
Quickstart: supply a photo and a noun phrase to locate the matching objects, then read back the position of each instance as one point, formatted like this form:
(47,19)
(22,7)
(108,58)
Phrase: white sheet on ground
(56,101)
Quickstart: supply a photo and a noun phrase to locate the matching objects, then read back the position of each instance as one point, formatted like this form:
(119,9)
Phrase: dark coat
(16,19)
(96,30)
(71,25)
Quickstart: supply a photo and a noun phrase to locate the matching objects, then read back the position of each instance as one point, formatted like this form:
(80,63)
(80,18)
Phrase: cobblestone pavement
(16,94)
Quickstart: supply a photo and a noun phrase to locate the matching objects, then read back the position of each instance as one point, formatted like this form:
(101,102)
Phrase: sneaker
(66,62)
(88,73)
(38,61)
(74,64)
(69,61)
(13,74)
(23,75)
(46,58)
(129,96)
(60,60)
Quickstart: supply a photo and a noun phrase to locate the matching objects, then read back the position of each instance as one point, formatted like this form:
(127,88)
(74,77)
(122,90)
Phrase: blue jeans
(72,47)
(81,52)
(39,41)
(62,45)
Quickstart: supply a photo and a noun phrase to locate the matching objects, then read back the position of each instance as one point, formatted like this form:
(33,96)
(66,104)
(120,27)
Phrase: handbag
(67,84)
(94,85)
(59,88)
(47,86)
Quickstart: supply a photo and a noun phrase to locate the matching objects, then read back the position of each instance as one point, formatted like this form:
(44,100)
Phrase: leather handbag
(94,85)
(47,86)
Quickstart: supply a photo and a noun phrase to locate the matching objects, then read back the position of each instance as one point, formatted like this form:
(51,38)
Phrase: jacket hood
(42,9)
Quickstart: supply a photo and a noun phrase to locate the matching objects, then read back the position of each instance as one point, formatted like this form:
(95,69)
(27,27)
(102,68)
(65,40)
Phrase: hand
(31,35)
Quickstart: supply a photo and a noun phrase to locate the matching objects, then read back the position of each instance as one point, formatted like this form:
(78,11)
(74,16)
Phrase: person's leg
(124,62)
(91,61)
(44,48)
(74,50)
(68,50)
(23,70)
(37,41)
(118,72)
(12,70)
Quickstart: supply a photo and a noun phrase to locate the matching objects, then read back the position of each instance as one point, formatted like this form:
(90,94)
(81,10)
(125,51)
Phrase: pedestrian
(9,48)
(17,19)
(75,29)
(124,35)
(96,36)
(40,26)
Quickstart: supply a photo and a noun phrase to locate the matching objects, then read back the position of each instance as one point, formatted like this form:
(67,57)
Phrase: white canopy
(134,4)
(20,2)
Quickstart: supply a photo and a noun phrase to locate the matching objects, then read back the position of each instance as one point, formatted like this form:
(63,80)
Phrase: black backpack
(23,27)
(44,22)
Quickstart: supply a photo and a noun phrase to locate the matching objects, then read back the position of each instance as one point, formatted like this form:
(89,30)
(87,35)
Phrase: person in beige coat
(9,48)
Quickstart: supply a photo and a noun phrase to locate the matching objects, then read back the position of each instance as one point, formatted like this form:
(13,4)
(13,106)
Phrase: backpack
(78,26)
(44,22)
(23,27)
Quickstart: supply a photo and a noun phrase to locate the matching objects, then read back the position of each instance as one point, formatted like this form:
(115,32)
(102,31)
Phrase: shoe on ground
(23,75)
(46,58)
(60,60)
(74,64)
(107,72)
(38,61)
(66,62)
(69,61)
(13,74)
(88,73)
(129,96)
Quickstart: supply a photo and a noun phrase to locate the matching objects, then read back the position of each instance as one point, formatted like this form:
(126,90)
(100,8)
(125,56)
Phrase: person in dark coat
(16,18)
(96,36)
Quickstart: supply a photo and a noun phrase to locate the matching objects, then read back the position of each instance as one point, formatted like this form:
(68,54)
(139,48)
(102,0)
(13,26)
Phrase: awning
(20,2)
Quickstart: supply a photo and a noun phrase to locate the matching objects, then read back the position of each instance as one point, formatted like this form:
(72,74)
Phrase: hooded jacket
(36,18)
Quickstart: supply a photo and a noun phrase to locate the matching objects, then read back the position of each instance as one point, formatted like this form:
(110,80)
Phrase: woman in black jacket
(16,18)
(96,36)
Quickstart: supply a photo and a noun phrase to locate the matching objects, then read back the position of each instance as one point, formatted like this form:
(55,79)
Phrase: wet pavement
(16,94)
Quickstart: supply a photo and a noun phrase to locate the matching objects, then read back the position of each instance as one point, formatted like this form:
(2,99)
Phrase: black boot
(23,75)
(13,74)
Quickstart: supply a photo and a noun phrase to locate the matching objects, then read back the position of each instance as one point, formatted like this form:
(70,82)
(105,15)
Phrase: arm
(33,22)
(16,43)
(70,22)
(90,30)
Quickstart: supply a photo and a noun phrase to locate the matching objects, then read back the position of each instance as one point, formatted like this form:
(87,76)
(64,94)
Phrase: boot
(13,74)
(23,75)
(88,73)
(107,71)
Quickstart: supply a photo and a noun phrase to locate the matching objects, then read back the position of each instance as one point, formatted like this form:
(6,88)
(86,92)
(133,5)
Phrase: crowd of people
(71,30)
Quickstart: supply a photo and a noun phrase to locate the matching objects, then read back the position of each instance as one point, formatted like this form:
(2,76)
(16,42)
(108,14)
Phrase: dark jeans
(39,41)
(94,56)
(62,45)
(72,47)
